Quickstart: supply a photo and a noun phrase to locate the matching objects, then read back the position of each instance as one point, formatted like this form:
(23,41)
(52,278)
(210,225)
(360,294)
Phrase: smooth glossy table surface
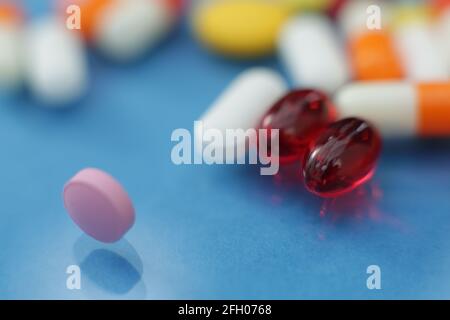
(205,232)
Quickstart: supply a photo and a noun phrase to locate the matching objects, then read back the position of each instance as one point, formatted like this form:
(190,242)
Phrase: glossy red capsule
(300,116)
(342,157)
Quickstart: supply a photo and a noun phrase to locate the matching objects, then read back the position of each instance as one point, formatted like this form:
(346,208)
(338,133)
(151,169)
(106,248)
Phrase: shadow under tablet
(112,268)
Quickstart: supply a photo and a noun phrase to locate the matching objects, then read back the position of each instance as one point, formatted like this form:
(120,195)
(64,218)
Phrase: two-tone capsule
(123,30)
(372,51)
(399,108)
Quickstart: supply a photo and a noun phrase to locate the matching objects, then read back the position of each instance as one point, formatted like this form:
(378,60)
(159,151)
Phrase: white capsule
(127,28)
(242,105)
(419,49)
(56,68)
(11,59)
(311,52)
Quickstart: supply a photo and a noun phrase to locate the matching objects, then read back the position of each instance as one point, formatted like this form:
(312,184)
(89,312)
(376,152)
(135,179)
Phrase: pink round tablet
(99,205)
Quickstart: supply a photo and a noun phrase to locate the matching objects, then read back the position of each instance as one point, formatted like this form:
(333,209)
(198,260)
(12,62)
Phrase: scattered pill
(56,66)
(11,57)
(342,158)
(124,30)
(311,52)
(399,108)
(239,28)
(372,53)
(99,205)
(242,104)
(299,116)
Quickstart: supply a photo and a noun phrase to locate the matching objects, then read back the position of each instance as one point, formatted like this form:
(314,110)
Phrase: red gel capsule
(342,157)
(300,116)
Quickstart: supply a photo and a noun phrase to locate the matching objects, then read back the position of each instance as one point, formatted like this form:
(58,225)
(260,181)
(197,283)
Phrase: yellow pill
(308,5)
(411,14)
(244,28)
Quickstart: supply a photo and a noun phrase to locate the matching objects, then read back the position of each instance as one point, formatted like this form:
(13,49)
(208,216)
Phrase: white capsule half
(311,52)
(11,58)
(56,68)
(240,107)
(390,106)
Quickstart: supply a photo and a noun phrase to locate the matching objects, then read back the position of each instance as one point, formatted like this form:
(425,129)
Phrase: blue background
(205,232)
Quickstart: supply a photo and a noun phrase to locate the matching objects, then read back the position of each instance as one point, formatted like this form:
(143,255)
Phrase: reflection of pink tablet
(99,205)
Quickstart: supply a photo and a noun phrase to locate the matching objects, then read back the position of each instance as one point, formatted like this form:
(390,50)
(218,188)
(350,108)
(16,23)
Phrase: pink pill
(99,205)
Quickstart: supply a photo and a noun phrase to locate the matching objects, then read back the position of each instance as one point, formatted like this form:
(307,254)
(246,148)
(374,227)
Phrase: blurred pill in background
(241,106)
(443,33)
(440,5)
(11,57)
(399,108)
(335,7)
(312,54)
(372,52)
(418,44)
(239,28)
(176,6)
(124,30)
(56,66)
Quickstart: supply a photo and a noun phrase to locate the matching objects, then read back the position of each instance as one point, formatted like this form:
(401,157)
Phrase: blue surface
(205,232)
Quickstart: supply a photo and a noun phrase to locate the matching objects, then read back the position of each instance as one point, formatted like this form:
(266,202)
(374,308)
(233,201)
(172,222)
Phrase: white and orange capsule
(399,108)
(372,51)
(11,63)
(123,30)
